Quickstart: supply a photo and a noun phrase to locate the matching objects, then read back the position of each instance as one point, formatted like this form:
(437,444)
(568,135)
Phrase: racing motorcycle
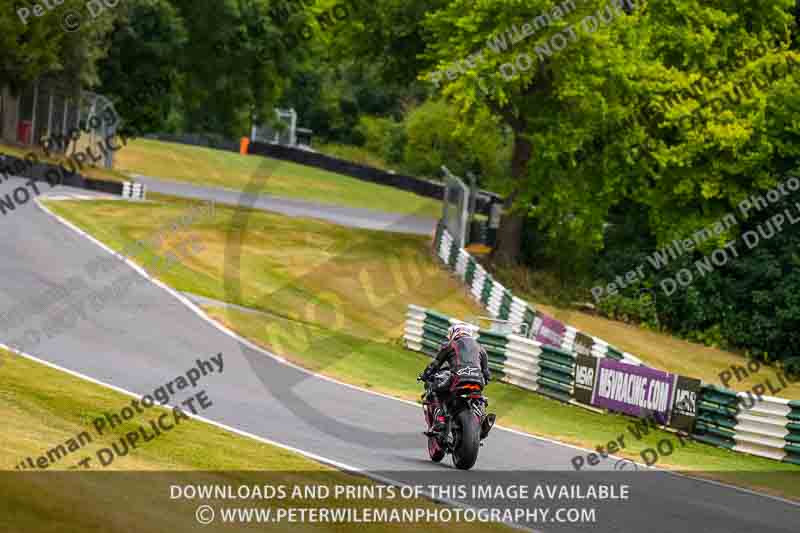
(465,421)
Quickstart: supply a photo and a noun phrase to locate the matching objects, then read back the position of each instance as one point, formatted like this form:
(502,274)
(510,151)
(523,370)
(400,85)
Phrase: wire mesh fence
(46,116)
(456,207)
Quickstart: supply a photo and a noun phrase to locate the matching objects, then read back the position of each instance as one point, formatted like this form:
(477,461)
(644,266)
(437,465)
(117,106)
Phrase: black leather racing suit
(467,362)
(466,359)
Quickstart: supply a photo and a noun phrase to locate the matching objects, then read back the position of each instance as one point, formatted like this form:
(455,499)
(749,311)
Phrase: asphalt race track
(149,337)
(344,216)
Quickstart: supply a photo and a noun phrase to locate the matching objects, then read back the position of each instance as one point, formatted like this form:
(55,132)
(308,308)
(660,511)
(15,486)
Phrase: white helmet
(458,330)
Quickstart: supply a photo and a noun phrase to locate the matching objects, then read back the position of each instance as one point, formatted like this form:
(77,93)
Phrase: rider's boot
(438,421)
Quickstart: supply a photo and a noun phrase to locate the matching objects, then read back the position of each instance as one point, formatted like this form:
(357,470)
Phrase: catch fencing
(46,114)
(456,207)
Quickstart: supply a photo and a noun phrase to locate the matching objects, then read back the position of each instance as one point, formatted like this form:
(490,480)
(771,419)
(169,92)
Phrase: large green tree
(40,46)
(236,63)
(582,146)
(582,96)
(143,69)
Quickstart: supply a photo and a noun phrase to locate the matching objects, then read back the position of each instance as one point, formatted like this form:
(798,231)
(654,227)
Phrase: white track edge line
(344,467)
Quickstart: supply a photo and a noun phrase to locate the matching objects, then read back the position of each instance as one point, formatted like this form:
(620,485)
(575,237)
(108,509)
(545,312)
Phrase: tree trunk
(509,234)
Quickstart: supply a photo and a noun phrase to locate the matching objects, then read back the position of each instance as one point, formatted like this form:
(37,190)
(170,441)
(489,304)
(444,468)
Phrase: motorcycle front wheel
(435,450)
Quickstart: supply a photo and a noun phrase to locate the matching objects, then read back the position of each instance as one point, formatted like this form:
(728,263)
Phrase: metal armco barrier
(412,184)
(768,427)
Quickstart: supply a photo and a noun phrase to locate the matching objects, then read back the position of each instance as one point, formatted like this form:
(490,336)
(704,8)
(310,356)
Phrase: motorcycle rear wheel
(465,453)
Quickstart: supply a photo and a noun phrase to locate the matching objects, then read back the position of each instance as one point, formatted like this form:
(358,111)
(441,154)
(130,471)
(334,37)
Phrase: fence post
(64,124)
(33,115)
(50,114)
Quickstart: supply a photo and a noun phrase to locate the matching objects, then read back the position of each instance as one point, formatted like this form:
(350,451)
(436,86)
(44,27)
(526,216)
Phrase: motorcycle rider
(467,362)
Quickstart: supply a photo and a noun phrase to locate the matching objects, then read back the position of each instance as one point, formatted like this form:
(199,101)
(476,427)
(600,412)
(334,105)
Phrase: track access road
(344,216)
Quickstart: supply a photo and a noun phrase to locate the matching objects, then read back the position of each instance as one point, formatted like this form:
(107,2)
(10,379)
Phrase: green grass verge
(297,268)
(362,156)
(351,288)
(356,154)
(678,356)
(42,407)
(218,168)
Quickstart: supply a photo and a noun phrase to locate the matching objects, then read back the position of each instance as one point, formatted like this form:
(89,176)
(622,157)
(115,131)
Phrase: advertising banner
(547,330)
(583,344)
(684,409)
(635,390)
(585,378)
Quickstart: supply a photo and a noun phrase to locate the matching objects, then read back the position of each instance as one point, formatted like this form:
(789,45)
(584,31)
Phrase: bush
(751,303)
(431,143)
(356,154)
(435,138)
(631,310)
(383,137)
